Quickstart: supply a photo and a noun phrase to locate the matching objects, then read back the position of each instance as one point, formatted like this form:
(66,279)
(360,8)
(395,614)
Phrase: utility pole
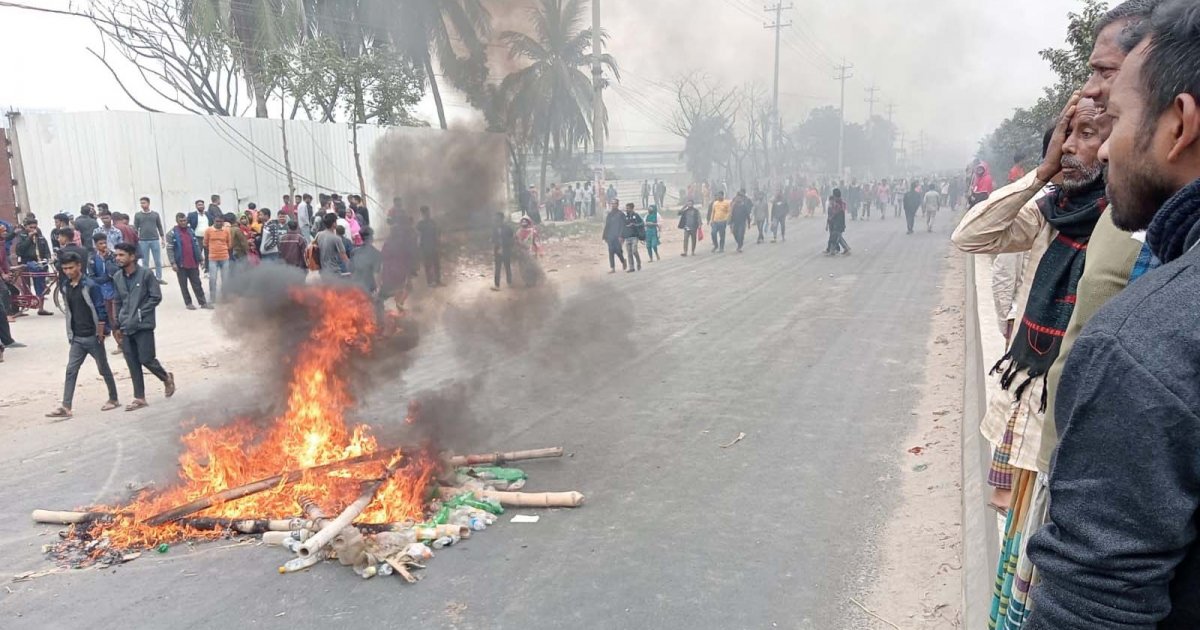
(597,104)
(843,74)
(776,126)
(891,107)
(871,100)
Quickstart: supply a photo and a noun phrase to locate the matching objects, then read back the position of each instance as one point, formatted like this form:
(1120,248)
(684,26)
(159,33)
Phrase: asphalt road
(641,377)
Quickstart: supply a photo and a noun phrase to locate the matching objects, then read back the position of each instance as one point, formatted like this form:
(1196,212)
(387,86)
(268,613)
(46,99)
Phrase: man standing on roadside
(128,234)
(107,227)
(614,227)
(85,226)
(138,296)
(218,243)
(33,253)
(503,239)
(6,339)
(272,234)
(85,335)
(742,209)
(151,236)
(183,252)
(292,245)
(214,210)
(1121,550)
(332,249)
(428,237)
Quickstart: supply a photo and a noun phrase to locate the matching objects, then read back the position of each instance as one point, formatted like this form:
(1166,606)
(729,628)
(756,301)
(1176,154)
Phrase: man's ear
(1185,131)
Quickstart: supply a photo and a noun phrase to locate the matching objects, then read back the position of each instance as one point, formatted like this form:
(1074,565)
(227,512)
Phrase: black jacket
(912,201)
(1121,550)
(137,297)
(689,219)
(635,226)
(31,249)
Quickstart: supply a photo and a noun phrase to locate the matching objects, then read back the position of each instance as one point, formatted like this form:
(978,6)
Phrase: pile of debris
(470,493)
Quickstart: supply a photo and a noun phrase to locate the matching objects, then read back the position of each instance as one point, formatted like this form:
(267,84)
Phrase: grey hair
(1133,10)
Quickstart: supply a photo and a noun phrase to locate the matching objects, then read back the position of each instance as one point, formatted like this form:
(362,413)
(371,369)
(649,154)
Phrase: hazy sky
(953,68)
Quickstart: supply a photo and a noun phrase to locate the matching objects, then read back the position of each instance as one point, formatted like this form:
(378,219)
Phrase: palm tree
(550,101)
(253,30)
(429,27)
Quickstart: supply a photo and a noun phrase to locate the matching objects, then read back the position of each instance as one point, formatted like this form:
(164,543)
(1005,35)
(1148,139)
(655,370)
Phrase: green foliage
(547,105)
(1021,134)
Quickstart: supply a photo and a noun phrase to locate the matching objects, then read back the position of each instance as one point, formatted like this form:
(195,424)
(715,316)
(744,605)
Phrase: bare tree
(705,119)
(178,65)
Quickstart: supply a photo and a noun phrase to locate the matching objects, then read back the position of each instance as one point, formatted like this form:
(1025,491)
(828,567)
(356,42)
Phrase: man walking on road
(931,201)
(151,236)
(85,335)
(614,227)
(634,230)
(138,296)
(742,209)
(646,194)
(689,222)
(719,213)
(835,224)
(912,203)
(183,252)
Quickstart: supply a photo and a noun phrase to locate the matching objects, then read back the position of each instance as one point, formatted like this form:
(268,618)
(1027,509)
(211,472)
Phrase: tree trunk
(287,158)
(260,101)
(433,87)
(545,162)
(358,115)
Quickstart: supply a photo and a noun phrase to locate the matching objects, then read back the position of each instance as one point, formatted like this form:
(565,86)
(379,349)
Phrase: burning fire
(311,432)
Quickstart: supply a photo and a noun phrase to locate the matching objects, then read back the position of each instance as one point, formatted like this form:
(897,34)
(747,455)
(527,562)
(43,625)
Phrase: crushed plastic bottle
(418,551)
(386,569)
(477,524)
(299,564)
(444,541)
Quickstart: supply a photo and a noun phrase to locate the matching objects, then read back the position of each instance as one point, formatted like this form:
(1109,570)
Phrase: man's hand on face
(1052,164)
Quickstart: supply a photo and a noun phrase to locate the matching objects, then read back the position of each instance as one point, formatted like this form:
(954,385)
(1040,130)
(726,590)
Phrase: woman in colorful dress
(652,236)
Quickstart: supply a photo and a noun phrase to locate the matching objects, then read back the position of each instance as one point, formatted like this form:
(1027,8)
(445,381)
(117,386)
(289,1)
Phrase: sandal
(110,405)
(137,404)
(61,412)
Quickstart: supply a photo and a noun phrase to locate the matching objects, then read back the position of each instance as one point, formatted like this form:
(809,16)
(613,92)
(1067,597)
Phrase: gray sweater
(148,225)
(1121,550)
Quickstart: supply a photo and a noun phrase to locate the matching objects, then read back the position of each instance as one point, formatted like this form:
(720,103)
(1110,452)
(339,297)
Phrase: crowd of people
(1094,415)
(107,270)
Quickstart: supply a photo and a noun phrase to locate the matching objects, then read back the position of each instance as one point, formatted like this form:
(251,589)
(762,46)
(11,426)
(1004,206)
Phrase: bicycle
(20,286)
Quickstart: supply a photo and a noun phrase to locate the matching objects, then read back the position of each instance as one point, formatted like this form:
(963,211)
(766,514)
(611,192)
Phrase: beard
(1086,177)
(1136,194)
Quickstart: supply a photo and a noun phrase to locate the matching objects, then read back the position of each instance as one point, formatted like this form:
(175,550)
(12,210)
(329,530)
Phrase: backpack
(312,256)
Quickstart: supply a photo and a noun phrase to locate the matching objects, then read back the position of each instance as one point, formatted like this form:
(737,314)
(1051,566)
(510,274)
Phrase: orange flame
(311,432)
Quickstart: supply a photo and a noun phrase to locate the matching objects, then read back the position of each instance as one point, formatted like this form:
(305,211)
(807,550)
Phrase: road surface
(642,377)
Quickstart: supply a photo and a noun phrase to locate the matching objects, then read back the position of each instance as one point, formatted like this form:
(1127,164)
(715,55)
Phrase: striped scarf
(1039,338)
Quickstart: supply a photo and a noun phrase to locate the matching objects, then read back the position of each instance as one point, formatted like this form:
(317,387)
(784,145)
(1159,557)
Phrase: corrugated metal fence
(118,157)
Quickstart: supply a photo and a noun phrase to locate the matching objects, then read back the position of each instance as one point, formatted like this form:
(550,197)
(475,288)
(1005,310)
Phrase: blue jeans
(214,267)
(39,282)
(151,247)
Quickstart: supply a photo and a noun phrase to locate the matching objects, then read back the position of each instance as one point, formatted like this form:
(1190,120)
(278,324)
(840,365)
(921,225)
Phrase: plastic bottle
(477,524)
(386,569)
(444,541)
(418,551)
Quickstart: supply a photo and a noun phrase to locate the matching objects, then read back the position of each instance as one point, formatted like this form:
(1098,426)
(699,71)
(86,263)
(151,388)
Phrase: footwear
(44,313)
(15,344)
(136,404)
(684,254)
(191,307)
(110,405)
(494,288)
(169,385)
(630,270)
(612,271)
(208,307)
(61,412)
(162,282)
(116,350)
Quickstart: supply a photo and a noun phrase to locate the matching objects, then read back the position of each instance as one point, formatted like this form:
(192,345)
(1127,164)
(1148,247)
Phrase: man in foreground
(1121,551)
(138,296)
(85,334)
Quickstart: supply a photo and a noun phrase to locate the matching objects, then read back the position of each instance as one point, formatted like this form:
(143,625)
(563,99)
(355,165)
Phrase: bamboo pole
(240,525)
(520,499)
(255,487)
(332,528)
(503,458)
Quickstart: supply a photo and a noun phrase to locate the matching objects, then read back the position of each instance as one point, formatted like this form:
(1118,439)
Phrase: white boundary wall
(117,157)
